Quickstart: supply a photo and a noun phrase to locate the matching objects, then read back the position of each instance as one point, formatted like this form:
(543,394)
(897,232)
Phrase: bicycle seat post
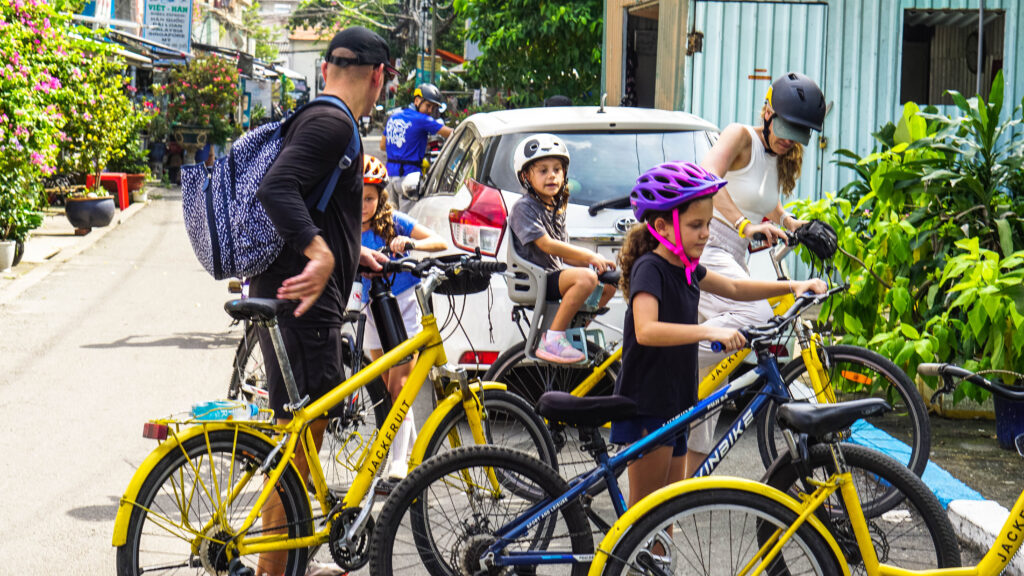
(286,367)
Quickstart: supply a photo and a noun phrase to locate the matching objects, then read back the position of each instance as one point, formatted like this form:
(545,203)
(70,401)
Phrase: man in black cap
(322,249)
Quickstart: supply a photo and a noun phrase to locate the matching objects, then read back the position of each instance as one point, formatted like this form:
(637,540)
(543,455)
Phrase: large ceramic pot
(88,213)
(192,139)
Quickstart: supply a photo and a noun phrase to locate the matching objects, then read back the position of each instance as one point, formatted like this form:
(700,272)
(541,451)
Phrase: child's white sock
(404,440)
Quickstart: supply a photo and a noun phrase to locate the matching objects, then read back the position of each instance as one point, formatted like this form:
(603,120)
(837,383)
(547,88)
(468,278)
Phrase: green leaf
(1005,237)
(853,324)
(910,332)
(901,300)
(978,321)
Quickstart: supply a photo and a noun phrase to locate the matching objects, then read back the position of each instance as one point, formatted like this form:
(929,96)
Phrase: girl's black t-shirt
(662,380)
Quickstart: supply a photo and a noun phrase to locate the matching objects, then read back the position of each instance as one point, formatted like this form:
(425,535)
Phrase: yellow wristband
(742,226)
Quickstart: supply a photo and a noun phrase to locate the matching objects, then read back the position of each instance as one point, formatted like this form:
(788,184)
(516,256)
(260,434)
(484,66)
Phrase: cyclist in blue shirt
(405,135)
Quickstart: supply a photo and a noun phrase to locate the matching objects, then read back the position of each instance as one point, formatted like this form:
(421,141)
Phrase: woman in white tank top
(760,164)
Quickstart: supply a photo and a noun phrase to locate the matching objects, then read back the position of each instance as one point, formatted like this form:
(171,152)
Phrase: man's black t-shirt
(662,380)
(312,148)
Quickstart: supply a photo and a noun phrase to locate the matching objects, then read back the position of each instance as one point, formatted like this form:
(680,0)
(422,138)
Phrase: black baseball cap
(369,49)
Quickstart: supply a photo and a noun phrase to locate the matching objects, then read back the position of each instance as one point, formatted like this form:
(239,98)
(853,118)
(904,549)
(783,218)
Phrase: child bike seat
(817,420)
(588,411)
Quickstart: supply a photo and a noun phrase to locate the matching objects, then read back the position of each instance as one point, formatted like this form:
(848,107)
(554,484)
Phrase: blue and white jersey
(407,131)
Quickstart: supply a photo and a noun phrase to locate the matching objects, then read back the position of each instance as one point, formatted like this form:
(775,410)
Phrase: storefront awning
(289,73)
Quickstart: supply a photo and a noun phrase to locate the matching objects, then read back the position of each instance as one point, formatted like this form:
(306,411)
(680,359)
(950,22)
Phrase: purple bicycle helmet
(662,188)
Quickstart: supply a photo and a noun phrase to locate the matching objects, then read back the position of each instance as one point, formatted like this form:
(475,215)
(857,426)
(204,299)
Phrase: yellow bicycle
(196,502)
(832,507)
(822,374)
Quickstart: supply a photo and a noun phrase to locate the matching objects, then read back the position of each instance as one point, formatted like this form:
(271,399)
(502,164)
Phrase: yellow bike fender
(124,509)
(634,514)
(433,422)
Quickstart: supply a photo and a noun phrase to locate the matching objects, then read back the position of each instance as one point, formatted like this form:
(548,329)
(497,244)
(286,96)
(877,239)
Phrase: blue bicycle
(490,510)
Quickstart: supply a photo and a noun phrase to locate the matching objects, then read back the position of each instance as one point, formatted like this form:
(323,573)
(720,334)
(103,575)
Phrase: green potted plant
(202,97)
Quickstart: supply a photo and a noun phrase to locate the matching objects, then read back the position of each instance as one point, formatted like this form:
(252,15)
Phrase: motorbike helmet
(374,171)
(799,107)
(533,148)
(430,93)
(665,188)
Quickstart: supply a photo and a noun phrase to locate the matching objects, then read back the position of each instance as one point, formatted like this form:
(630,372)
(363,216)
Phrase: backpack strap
(323,193)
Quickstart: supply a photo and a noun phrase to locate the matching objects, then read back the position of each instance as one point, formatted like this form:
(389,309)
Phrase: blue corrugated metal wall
(864,54)
(862,68)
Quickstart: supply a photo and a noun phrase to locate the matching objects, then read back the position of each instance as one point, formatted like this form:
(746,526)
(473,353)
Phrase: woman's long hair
(383,222)
(789,163)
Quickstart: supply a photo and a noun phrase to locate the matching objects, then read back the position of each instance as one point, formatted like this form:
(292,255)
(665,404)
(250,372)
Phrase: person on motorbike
(406,133)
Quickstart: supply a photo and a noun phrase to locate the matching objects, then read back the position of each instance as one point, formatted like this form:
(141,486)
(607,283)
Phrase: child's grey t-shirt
(530,220)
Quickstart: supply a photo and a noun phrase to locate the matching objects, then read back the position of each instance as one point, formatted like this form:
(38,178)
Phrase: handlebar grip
(485,267)
(610,277)
(409,246)
(391,267)
(717,347)
(930,369)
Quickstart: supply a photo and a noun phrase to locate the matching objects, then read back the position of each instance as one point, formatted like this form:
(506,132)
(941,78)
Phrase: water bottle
(225,410)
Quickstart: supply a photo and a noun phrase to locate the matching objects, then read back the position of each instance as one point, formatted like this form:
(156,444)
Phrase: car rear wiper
(617,203)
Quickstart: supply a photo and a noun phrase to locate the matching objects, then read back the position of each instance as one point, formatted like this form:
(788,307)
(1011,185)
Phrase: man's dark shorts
(315,355)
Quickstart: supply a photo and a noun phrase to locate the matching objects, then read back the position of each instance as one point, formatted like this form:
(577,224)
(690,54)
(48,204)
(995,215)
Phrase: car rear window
(604,165)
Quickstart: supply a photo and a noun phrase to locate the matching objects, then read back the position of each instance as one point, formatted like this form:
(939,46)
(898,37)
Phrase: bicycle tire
(184,477)
(852,366)
(511,422)
(906,521)
(531,378)
(404,539)
(718,531)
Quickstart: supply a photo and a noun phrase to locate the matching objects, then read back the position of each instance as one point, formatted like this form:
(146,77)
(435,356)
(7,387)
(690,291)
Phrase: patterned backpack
(230,231)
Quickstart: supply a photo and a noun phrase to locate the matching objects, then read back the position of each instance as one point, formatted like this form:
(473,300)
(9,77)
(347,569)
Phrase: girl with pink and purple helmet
(662,280)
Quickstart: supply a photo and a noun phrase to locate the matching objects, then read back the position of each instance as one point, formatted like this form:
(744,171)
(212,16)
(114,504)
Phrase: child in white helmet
(541,162)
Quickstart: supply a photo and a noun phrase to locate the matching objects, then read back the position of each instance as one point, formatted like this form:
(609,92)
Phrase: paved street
(131,328)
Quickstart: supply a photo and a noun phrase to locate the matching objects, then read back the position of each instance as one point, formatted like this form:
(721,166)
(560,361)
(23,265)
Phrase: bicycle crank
(350,554)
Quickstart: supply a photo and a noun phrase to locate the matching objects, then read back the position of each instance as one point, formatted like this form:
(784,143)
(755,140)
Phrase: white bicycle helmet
(538,146)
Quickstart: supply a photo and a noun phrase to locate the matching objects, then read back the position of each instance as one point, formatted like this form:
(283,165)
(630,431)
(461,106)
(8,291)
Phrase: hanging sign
(169,22)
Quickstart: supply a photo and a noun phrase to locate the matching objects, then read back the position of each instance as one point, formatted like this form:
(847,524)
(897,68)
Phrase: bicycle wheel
(856,373)
(446,513)
(511,422)
(248,375)
(176,524)
(717,532)
(531,378)
(908,526)
(347,434)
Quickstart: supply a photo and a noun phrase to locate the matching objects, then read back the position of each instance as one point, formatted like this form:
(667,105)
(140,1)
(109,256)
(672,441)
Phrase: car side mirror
(410,186)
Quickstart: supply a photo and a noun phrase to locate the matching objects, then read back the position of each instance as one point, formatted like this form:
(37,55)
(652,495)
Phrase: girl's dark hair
(383,223)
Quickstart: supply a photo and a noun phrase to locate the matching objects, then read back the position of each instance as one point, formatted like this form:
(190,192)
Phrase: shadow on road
(185,341)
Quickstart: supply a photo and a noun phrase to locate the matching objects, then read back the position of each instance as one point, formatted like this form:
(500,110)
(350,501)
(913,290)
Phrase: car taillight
(482,224)
(470,357)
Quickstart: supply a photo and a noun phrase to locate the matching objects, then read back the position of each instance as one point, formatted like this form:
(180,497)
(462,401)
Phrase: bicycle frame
(773,386)
(432,356)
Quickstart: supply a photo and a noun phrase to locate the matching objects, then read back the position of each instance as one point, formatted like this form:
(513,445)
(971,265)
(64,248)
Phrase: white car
(609,148)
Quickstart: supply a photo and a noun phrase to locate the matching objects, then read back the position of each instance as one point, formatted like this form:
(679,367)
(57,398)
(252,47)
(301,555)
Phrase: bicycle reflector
(482,224)
(470,357)
(154,431)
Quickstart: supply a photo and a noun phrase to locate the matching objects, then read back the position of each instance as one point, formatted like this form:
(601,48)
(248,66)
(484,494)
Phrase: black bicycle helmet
(430,93)
(798,101)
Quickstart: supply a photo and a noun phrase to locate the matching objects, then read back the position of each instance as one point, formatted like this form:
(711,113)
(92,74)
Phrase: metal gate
(745,45)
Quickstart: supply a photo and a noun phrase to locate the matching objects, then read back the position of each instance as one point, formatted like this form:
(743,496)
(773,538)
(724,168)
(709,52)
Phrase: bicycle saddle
(586,411)
(258,309)
(817,420)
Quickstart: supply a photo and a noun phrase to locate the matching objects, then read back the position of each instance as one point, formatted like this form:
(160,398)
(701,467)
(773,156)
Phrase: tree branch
(865,266)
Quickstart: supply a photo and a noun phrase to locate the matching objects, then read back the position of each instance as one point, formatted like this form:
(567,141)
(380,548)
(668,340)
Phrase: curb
(19,285)
(978,523)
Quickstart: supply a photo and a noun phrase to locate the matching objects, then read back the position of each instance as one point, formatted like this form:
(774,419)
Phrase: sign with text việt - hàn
(169,22)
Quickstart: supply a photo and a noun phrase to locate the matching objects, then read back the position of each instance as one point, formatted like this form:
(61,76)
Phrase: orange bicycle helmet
(374,171)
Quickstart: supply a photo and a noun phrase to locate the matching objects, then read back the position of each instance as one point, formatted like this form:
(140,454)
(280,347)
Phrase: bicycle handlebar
(949,372)
(422,268)
(776,324)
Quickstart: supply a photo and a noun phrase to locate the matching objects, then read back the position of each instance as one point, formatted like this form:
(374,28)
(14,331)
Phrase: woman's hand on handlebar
(815,285)
(771,232)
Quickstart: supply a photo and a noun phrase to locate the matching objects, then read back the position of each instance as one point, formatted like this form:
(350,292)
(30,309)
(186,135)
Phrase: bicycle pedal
(235,568)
